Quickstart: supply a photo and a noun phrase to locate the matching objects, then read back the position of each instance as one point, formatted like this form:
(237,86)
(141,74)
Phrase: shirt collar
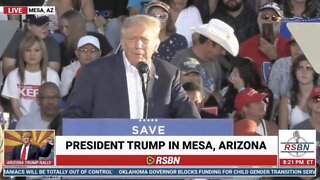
(126,61)
(127,64)
(26,145)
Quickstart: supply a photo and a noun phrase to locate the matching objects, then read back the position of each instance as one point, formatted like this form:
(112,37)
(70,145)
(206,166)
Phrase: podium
(147,127)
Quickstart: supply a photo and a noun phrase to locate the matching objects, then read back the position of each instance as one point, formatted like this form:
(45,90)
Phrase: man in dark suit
(27,151)
(111,87)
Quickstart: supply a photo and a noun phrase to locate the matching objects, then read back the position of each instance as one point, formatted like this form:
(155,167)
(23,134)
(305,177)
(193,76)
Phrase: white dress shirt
(67,75)
(136,100)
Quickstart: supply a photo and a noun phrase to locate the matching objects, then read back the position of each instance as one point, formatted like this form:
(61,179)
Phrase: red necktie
(24,152)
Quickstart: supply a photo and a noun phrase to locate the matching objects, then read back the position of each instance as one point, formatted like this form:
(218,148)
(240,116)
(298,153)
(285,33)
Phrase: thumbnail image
(29,147)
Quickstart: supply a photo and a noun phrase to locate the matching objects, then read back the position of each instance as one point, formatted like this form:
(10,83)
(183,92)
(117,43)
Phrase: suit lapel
(119,83)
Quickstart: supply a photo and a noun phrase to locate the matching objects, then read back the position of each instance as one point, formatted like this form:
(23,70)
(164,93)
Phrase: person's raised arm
(87,8)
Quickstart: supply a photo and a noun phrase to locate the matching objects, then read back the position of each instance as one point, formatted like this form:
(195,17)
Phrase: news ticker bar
(159,172)
(31,10)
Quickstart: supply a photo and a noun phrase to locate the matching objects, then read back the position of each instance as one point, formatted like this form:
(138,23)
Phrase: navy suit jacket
(101,92)
(34,152)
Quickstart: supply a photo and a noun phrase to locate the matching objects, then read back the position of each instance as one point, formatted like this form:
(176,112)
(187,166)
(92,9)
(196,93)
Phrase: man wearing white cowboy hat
(215,38)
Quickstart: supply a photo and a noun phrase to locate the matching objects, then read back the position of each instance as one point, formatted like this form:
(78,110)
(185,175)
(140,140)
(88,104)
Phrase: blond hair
(77,29)
(26,132)
(145,21)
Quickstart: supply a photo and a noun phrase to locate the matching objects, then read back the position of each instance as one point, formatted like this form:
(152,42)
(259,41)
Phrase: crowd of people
(204,59)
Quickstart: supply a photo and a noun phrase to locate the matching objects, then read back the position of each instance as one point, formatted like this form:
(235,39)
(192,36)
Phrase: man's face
(215,50)
(40,31)
(26,138)
(139,44)
(269,16)
(87,54)
(190,77)
(232,5)
(48,100)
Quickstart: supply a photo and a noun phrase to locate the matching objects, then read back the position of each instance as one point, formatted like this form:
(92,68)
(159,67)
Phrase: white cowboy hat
(221,33)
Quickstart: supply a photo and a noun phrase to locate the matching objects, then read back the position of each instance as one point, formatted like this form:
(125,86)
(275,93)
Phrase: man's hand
(268,49)
(100,21)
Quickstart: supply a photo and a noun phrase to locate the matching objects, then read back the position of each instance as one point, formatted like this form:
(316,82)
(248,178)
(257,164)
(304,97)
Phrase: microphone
(296,136)
(143,69)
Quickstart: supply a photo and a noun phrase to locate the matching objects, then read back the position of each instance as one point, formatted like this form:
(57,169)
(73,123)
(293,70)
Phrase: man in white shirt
(88,50)
(48,100)
(111,87)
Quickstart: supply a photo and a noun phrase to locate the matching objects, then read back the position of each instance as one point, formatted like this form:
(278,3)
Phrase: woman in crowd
(314,121)
(72,27)
(314,105)
(298,8)
(243,74)
(280,78)
(21,85)
(185,15)
(171,42)
(250,110)
(293,106)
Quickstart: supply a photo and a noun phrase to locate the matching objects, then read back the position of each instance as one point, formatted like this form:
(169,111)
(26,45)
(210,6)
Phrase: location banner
(157,148)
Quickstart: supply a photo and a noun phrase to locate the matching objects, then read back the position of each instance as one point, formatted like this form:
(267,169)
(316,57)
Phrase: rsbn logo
(297,146)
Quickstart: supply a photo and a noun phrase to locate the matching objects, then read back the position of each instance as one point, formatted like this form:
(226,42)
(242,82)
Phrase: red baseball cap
(247,96)
(315,92)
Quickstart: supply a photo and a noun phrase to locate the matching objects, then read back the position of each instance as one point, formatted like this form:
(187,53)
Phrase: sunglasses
(49,97)
(163,17)
(316,99)
(86,50)
(268,17)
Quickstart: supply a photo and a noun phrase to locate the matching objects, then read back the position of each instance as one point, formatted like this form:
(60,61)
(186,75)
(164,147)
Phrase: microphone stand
(143,69)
